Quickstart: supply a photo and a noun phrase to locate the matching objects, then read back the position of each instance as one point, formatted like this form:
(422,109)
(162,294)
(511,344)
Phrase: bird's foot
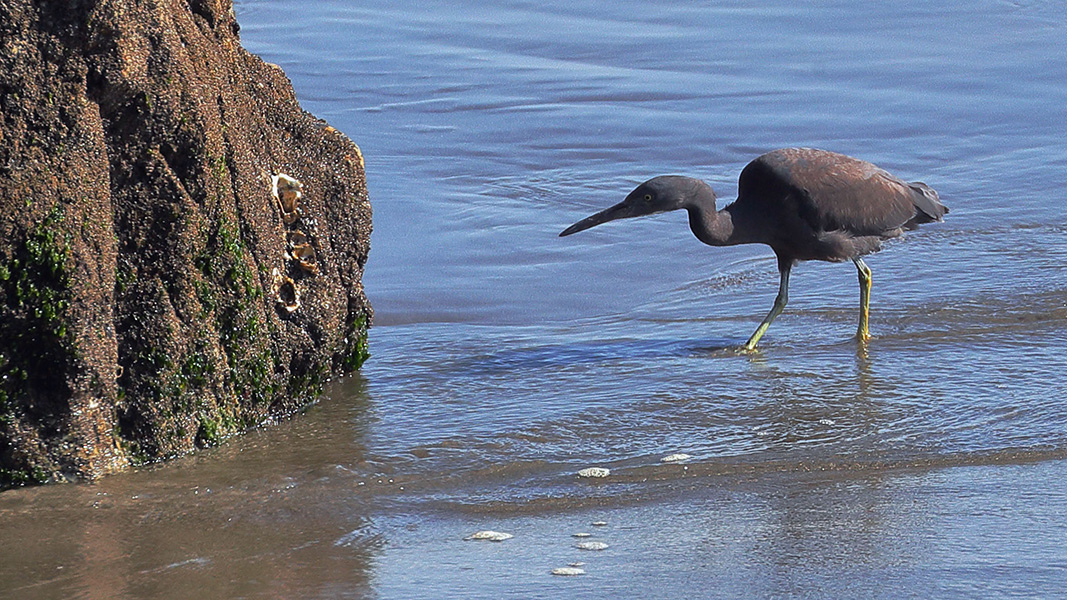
(747,350)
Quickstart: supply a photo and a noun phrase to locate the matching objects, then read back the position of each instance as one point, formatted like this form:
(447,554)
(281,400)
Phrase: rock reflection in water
(258,517)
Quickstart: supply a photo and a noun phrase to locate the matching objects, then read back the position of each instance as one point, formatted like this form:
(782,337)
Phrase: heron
(806,204)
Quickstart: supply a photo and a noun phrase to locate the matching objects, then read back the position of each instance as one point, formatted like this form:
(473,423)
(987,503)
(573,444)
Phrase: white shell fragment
(291,217)
(591,545)
(488,535)
(594,472)
(568,571)
(676,457)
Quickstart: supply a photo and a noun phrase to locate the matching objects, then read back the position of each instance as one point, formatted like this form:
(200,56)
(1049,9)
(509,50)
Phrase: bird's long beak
(622,210)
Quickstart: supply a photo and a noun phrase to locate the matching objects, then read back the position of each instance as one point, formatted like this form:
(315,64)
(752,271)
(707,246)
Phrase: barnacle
(288,192)
(296,237)
(304,255)
(285,292)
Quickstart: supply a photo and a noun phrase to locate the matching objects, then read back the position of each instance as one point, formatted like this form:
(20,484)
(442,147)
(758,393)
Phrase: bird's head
(659,194)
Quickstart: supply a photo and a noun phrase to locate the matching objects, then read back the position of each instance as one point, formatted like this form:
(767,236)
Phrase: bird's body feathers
(816,205)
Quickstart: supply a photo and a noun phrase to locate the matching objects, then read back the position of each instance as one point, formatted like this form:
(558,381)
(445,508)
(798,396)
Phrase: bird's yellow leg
(779,305)
(863,333)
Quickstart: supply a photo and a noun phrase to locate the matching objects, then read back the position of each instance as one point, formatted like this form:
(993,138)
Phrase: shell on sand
(591,546)
(565,571)
(489,535)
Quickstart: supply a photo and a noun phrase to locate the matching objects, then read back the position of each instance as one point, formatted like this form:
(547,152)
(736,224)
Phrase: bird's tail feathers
(928,203)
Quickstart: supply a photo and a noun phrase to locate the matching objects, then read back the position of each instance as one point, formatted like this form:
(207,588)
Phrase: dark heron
(805,204)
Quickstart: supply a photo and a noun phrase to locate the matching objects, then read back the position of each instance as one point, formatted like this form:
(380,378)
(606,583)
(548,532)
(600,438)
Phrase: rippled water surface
(928,464)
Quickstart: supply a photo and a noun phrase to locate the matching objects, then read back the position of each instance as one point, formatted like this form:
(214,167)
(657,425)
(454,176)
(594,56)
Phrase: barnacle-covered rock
(146,171)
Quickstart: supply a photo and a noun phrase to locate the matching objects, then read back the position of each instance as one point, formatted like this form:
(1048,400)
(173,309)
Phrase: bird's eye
(648,197)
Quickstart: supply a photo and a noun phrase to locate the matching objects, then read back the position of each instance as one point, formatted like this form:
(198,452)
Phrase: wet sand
(208,527)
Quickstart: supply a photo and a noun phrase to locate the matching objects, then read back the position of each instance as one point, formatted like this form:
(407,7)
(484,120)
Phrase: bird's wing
(835,192)
(872,205)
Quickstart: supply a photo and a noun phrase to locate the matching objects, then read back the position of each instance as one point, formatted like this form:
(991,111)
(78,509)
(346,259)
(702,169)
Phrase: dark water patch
(566,355)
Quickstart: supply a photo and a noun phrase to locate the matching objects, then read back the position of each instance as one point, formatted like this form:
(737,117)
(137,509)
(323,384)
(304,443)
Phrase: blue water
(927,464)
(490,128)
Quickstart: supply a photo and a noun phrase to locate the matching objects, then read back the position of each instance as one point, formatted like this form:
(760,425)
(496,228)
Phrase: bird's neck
(713,227)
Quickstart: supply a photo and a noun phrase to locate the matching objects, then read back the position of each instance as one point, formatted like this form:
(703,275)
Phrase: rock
(677,457)
(146,165)
(594,472)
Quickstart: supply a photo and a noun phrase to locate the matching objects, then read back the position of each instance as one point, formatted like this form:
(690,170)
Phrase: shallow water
(505,359)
